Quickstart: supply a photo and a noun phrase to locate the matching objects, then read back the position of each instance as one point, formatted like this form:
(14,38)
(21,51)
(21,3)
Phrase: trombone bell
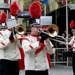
(53,35)
(20,29)
(53,30)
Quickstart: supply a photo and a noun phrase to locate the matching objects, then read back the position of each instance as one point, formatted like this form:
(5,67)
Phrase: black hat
(3,25)
(34,24)
(73,28)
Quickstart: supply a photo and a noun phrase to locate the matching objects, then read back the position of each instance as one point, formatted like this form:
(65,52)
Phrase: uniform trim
(52,47)
(21,61)
(48,59)
(40,49)
(2,43)
(1,33)
(23,38)
(26,39)
(31,46)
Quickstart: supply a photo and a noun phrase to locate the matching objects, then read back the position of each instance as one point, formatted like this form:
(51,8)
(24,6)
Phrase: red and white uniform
(8,49)
(72,43)
(36,56)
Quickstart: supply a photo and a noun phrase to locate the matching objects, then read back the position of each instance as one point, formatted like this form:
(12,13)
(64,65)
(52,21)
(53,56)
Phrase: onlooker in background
(63,35)
(69,37)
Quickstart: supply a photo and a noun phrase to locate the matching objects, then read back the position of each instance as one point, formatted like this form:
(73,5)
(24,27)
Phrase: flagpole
(67,27)
(44,9)
(45,3)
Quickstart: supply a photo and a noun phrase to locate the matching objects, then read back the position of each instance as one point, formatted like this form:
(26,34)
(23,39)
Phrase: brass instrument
(20,29)
(53,31)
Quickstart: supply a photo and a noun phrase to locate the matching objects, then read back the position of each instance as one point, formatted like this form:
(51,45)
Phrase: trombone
(53,31)
(20,29)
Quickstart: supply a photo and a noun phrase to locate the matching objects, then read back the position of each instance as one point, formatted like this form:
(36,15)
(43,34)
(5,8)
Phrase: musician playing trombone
(9,50)
(36,49)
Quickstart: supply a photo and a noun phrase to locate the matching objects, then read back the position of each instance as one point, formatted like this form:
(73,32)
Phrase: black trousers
(30,72)
(73,62)
(9,67)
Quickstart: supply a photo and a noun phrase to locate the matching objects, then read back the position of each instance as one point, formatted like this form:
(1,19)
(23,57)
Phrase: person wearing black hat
(9,49)
(71,44)
(9,44)
(36,49)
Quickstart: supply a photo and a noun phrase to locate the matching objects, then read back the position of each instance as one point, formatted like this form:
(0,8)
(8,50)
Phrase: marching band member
(36,49)
(72,43)
(14,9)
(10,53)
(21,61)
(9,44)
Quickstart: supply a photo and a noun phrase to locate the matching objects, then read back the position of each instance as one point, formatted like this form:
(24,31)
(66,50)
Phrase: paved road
(61,70)
(57,70)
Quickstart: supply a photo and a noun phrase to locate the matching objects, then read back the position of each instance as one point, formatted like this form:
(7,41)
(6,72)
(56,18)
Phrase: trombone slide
(57,40)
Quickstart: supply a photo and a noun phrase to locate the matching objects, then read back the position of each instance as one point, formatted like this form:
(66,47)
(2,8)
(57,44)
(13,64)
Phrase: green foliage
(26,4)
(71,1)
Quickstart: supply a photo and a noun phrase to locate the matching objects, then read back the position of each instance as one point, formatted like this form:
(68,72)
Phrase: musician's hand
(43,37)
(47,40)
(11,36)
(62,43)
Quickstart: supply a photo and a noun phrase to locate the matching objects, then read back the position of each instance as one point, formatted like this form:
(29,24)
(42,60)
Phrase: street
(57,70)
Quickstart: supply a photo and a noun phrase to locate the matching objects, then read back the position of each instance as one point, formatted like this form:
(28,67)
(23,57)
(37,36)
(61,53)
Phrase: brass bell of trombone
(53,30)
(20,29)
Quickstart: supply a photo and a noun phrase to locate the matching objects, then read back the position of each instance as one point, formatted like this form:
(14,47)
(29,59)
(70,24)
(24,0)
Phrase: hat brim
(3,25)
(35,25)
